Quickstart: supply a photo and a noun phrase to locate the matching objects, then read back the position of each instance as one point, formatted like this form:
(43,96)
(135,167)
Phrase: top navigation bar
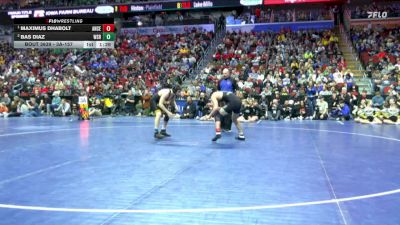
(129,8)
(149,7)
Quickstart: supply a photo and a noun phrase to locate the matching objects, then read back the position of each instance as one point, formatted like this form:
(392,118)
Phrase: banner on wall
(294,26)
(279,2)
(167,29)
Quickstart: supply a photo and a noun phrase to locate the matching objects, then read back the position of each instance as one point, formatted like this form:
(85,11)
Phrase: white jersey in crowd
(392,111)
(369,111)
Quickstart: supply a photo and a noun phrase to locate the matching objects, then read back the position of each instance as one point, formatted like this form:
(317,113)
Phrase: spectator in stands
(5,99)
(146,98)
(59,86)
(349,81)
(64,109)
(391,95)
(263,104)
(130,103)
(287,110)
(369,114)
(363,96)
(378,100)
(342,112)
(354,98)
(45,104)
(3,110)
(201,104)
(189,110)
(33,107)
(250,111)
(391,113)
(325,91)
(359,110)
(346,97)
(385,84)
(14,107)
(321,112)
(55,102)
(139,107)
(23,108)
(274,113)
(96,108)
(311,99)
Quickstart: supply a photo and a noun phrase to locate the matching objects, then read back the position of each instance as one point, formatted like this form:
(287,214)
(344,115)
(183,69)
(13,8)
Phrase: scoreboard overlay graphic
(87,33)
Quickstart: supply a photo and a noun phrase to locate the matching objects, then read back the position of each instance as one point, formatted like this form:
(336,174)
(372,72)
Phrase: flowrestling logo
(377,15)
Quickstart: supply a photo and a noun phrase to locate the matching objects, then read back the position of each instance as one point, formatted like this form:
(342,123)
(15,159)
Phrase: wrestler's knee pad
(166,118)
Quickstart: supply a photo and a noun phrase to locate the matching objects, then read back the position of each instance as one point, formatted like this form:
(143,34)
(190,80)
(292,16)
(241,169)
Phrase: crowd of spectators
(302,15)
(5,30)
(270,15)
(132,71)
(283,75)
(287,75)
(170,19)
(379,50)
(361,12)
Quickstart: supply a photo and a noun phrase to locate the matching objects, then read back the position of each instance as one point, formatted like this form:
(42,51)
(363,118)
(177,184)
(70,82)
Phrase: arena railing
(205,59)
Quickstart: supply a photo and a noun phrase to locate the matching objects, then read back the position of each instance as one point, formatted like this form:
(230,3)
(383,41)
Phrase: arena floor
(54,171)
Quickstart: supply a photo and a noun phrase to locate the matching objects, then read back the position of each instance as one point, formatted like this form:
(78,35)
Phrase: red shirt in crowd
(36,88)
(381,55)
(258,12)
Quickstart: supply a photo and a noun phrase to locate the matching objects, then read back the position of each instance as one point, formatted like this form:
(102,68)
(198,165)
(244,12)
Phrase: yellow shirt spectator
(325,41)
(308,55)
(333,39)
(294,65)
(281,37)
(184,51)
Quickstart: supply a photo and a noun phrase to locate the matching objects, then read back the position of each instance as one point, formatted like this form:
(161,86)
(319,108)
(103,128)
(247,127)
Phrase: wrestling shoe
(164,133)
(241,137)
(217,136)
(158,136)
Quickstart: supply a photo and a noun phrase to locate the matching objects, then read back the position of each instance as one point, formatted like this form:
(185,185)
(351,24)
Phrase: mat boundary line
(199,210)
